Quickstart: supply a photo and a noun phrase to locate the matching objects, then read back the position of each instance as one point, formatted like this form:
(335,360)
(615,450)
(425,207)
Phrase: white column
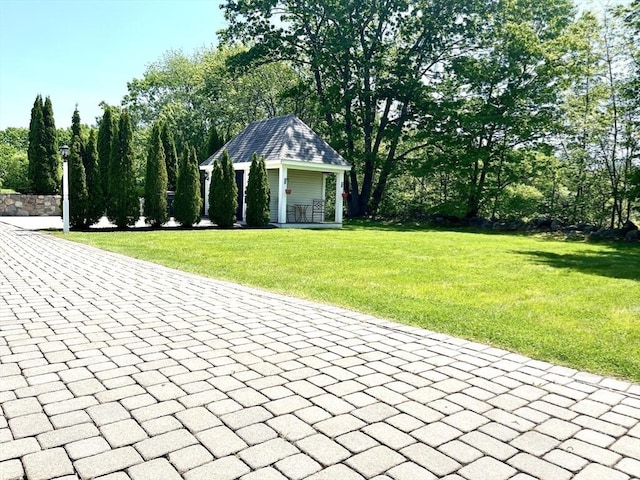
(324,186)
(339,199)
(245,182)
(65,196)
(207,187)
(282,196)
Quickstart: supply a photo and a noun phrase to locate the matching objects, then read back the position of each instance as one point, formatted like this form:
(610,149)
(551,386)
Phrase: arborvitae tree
(215,193)
(36,152)
(170,156)
(95,205)
(224,197)
(124,206)
(230,189)
(155,187)
(51,166)
(258,194)
(215,141)
(106,132)
(188,202)
(76,129)
(77,186)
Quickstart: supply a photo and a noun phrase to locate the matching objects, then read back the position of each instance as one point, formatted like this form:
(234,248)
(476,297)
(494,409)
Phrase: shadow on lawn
(618,261)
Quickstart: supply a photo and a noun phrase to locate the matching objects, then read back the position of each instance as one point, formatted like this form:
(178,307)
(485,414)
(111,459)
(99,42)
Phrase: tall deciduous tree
(506,99)
(258,194)
(601,124)
(77,185)
(95,204)
(106,132)
(170,156)
(375,65)
(188,202)
(155,187)
(124,205)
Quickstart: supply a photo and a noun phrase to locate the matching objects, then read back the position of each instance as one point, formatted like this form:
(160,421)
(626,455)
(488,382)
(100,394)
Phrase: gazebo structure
(299,165)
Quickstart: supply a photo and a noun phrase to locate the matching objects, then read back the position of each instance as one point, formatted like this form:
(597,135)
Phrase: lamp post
(64,151)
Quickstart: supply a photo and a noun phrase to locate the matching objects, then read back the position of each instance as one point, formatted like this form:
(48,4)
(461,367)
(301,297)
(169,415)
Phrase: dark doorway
(240,184)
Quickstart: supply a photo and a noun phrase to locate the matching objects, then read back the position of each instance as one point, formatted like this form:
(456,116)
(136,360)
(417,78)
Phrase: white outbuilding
(300,167)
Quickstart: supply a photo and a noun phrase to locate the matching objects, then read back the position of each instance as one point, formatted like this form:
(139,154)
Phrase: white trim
(316,167)
(322,167)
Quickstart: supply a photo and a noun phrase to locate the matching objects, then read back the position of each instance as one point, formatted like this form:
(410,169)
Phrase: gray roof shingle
(279,139)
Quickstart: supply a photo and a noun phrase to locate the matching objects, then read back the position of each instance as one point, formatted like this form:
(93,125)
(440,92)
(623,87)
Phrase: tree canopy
(500,109)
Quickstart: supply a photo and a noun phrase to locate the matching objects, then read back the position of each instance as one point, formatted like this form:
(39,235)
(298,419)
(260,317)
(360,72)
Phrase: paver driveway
(116,368)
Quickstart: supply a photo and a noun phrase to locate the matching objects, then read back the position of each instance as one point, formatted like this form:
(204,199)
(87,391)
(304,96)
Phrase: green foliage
(44,168)
(95,205)
(124,206)
(215,141)
(457,108)
(14,170)
(155,191)
(187,205)
(602,120)
(188,91)
(374,79)
(17,138)
(519,202)
(51,173)
(258,194)
(106,132)
(223,193)
(76,129)
(170,156)
(78,196)
(36,152)
(215,192)
(14,163)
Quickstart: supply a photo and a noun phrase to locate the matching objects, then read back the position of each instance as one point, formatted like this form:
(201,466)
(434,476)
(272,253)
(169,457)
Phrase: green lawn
(573,303)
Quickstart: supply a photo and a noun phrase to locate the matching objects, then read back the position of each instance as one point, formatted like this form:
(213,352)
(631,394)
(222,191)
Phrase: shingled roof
(279,139)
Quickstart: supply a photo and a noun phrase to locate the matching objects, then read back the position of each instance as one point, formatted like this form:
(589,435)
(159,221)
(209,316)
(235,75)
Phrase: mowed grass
(573,303)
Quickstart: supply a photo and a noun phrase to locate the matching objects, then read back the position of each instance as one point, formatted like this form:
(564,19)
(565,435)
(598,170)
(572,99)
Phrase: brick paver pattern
(120,369)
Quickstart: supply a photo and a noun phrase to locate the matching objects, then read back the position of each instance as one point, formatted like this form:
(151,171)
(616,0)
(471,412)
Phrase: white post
(282,196)
(339,199)
(65,196)
(207,186)
(245,183)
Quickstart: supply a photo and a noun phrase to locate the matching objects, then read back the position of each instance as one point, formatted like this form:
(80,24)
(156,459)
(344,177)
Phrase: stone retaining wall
(17,205)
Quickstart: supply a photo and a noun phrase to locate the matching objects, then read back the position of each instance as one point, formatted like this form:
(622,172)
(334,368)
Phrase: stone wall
(17,205)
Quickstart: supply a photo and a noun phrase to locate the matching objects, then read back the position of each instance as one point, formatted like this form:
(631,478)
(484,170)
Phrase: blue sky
(85,51)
